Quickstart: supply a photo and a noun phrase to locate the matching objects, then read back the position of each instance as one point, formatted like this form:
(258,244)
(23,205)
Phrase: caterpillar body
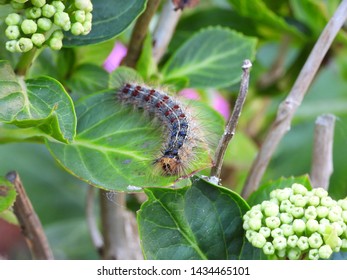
(183,135)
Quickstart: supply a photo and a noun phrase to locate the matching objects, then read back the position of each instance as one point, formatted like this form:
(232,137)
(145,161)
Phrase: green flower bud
(297,212)
(85,5)
(300,201)
(89,17)
(338,228)
(38,3)
(344,216)
(48,10)
(313,200)
(302,243)
(245,225)
(310,212)
(12,32)
(312,225)
(24,45)
(315,240)
(313,254)
(266,232)
(320,192)
(33,12)
(299,189)
(285,205)
(17,6)
(11,46)
(294,253)
(281,253)
(21,1)
(283,194)
(286,218)
(58,5)
(44,23)
(77,28)
(62,19)
(271,210)
(255,214)
(322,228)
(326,201)
(254,223)
(334,216)
(55,44)
(343,204)
(277,232)
(279,243)
(38,39)
(292,241)
(58,34)
(13,19)
(272,222)
(344,244)
(28,26)
(336,208)
(250,234)
(268,248)
(87,27)
(287,230)
(80,16)
(258,240)
(322,211)
(324,221)
(299,226)
(325,252)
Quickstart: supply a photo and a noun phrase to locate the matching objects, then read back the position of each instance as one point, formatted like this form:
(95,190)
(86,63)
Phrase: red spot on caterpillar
(158,104)
(172,120)
(182,116)
(138,87)
(176,107)
(135,93)
(152,91)
(125,90)
(168,112)
(147,98)
(166,98)
(128,85)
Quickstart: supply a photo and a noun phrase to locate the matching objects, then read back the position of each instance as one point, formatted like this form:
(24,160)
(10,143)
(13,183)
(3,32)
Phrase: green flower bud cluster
(298,224)
(41,22)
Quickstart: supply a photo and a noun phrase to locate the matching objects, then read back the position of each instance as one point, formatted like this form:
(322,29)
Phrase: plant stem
(25,62)
(29,221)
(232,123)
(139,34)
(165,29)
(289,106)
(322,158)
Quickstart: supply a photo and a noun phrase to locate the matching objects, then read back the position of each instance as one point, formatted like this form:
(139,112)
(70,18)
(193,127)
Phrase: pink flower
(115,57)
(219,103)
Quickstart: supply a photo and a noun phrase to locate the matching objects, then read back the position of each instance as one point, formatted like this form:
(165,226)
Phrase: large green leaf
(7,194)
(267,22)
(40,102)
(263,193)
(211,58)
(203,221)
(110,18)
(115,145)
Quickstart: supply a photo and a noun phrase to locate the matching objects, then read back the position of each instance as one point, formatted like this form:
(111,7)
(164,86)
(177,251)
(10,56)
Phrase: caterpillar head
(169,166)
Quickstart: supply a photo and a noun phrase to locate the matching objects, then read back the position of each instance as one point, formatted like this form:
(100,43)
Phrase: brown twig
(119,229)
(29,221)
(165,29)
(322,158)
(289,106)
(139,34)
(91,221)
(232,123)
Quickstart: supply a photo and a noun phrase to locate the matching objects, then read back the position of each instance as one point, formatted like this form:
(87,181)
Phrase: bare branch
(119,228)
(232,123)
(91,221)
(289,106)
(322,158)
(139,34)
(29,221)
(165,29)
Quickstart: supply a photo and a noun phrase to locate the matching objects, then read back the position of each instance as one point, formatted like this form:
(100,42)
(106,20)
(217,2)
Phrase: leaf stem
(232,123)
(25,62)
(139,34)
(288,107)
(29,221)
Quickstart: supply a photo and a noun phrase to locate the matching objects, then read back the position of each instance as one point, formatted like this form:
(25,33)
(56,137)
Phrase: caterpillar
(183,135)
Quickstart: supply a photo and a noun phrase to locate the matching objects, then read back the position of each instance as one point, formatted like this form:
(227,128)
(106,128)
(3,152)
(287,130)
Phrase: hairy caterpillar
(183,135)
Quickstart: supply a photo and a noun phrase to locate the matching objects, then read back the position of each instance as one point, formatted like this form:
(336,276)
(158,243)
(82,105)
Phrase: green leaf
(146,65)
(263,193)
(203,221)
(9,217)
(265,20)
(40,102)
(87,79)
(110,18)
(211,58)
(115,145)
(7,194)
